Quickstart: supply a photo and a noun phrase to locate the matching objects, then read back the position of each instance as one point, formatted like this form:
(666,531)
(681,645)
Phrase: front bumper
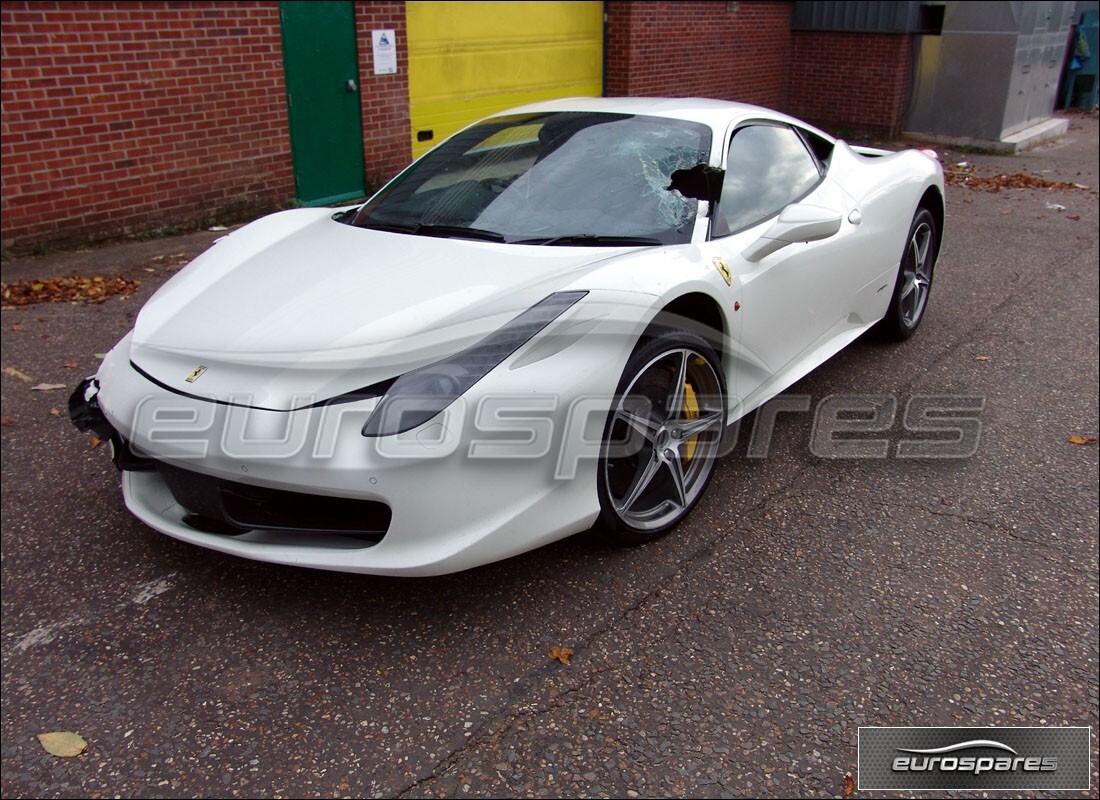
(507,468)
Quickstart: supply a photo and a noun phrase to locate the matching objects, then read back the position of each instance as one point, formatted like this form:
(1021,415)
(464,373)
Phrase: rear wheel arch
(932,200)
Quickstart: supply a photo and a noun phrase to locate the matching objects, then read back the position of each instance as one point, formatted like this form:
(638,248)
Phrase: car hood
(298,308)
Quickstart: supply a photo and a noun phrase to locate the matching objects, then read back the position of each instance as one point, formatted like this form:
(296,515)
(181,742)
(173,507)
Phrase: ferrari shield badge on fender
(722,268)
(194,376)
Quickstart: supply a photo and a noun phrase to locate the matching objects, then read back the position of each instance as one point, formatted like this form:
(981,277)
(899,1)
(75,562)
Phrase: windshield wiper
(594,240)
(458,232)
(442,231)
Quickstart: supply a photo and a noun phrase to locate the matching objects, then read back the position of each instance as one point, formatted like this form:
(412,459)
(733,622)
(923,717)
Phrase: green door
(322,85)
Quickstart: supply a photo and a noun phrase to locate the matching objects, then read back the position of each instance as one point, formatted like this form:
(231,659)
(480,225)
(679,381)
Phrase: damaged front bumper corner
(86,415)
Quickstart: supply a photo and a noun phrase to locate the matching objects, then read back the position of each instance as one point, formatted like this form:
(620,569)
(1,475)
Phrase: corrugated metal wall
(994,70)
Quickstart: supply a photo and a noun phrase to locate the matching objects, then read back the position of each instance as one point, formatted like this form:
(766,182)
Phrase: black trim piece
(355,395)
(805,135)
(125,459)
(86,415)
(226,507)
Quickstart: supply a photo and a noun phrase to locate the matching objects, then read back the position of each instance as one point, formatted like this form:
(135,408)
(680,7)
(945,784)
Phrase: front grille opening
(226,507)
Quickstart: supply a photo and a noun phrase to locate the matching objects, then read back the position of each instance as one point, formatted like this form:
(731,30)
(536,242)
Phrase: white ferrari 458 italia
(542,326)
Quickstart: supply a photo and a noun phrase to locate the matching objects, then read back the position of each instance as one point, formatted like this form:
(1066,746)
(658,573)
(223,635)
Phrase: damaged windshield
(569,178)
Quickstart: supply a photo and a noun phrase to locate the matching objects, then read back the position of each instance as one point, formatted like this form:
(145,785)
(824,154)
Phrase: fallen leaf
(47,387)
(73,289)
(15,326)
(1017,180)
(849,787)
(70,365)
(981,358)
(96,442)
(150,269)
(64,744)
(562,654)
(55,412)
(5,421)
(1075,439)
(17,374)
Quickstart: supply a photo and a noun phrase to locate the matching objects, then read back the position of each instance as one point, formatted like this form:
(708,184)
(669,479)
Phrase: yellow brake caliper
(691,412)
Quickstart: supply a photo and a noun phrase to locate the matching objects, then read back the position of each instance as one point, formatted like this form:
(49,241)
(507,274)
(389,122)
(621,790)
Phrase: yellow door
(471,59)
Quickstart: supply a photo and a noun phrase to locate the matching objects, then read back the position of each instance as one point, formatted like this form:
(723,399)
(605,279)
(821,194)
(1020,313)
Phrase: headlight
(417,396)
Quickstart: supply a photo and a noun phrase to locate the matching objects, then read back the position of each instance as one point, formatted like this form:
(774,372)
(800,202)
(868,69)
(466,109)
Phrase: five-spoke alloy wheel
(662,436)
(914,282)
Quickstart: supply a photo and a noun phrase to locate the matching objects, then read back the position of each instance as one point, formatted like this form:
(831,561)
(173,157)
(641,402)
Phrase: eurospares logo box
(974,758)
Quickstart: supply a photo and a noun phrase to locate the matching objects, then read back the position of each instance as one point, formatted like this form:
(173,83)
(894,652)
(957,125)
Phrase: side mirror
(796,223)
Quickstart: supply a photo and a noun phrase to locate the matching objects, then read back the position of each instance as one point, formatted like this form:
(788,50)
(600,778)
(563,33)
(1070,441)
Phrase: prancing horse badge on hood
(194,376)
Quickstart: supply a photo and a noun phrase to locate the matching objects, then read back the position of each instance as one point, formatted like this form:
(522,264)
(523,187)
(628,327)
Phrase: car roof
(718,114)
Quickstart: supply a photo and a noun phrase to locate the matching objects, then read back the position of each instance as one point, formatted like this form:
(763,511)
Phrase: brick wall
(853,81)
(730,51)
(121,116)
(387,146)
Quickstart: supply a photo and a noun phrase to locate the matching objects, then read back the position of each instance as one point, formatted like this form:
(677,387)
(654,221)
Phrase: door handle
(351,87)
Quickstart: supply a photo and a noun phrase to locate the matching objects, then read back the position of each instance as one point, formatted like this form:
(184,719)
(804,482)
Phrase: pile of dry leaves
(965,176)
(74,289)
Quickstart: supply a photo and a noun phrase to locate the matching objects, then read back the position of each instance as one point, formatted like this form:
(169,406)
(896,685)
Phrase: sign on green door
(322,84)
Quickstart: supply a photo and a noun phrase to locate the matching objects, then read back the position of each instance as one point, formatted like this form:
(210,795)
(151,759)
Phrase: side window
(768,168)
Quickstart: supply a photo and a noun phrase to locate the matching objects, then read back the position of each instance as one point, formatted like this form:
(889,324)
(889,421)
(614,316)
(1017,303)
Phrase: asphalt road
(804,598)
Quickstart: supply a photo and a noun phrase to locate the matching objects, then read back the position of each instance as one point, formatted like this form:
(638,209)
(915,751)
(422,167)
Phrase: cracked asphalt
(805,596)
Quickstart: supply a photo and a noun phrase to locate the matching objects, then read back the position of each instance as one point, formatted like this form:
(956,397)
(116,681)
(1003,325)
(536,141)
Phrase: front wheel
(662,436)
(914,281)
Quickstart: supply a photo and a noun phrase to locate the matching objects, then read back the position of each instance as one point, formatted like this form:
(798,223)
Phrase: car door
(796,299)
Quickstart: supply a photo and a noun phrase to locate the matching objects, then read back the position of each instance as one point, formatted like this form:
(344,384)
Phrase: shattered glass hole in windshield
(673,208)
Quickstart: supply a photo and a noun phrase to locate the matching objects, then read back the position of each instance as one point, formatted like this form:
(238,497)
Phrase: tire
(651,472)
(914,281)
